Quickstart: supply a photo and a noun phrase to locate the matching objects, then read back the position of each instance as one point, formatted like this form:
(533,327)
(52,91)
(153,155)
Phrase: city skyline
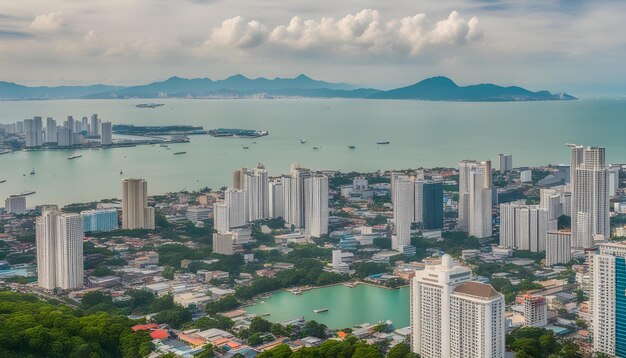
(557,45)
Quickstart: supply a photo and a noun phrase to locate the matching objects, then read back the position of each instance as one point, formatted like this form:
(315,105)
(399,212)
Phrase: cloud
(353,34)
(48,22)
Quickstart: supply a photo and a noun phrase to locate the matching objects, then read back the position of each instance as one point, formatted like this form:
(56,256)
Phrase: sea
(421,134)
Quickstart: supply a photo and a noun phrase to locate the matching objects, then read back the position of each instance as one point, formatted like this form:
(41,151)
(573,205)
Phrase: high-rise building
(403,211)
(15,204)
(65,137)
(100,220)
(453,317)
(256,185)
(506,162)
(608,301)
(221,217)
(94,127)
(84,124)
(136,214)
(106,133)
(432,210)
(475,198)
(277,209)
(33,129)
(535,311)
(558,248)
(70,124)
(590,197)
(316,205)
(59,238)
(239,178)
(614,179)
(338,264)
(523,226)
(294,196)
(51,130)
(550,200)
(236,201)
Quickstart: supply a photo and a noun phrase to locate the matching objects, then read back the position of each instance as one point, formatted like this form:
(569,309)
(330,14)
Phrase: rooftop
(477,289)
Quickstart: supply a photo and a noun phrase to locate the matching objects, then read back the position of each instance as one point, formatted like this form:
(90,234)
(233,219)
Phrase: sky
(560,45)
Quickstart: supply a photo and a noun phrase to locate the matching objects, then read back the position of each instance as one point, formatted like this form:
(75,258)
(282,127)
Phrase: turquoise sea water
(346,306)
(421,134)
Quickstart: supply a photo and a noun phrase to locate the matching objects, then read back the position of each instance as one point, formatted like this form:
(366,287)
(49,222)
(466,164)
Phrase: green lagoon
(346,306)
(421,134)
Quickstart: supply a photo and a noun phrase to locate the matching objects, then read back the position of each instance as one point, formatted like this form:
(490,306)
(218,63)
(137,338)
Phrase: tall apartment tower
(94,126)
(256,185)
(277,208)
(239,178)
(403,211)
(316,205)
(432,210)
(506,162)
(590,196)
(478,200)
(15,204)
(106,133)
(59,238)
(558,248)
(294,196)
(237,203)
(136,214)
(453,317)
(523,226)
(51,130)
(608,302)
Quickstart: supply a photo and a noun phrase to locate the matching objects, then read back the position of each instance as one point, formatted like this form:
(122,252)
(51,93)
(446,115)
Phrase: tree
(227,303)
(94,298)
(382,243)
(313,328)
(255,339)
(175,316)
(259,325)
(400,350)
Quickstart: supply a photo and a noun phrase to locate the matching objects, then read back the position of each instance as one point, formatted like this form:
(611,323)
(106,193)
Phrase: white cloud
(48,22)
(354,34)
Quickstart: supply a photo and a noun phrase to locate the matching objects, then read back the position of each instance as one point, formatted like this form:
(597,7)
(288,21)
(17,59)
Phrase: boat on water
(383,142)
(149,105)
(121,172)
(179,153)
(316,148)
(320,310)
(264,314)
(163,145)
(351,146)
(3,181)
(237,132)
(74,156)
(302,141)
(32,172)
(246,147)
(28,193)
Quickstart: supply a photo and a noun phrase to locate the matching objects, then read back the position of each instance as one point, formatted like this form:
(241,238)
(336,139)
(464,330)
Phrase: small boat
(121,172)
(383,142)
(302,141)
(27,193)
(320,310)
(264,314)
(2,181)
(74,156)
(32,172)
(351,146)
(316,148)
(178,153)
(163,145)
(246,147)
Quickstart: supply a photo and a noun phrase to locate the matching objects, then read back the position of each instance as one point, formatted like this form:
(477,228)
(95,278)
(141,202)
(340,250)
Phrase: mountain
(444,89)
(13,91)
(205,87)
(239,86)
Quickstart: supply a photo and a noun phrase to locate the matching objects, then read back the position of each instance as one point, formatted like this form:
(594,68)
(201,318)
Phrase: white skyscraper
(33,129)
(277,208)
(523,226)
(550,199)
(316,205)
(535,311)
(221,217)
(607,300)
(94,127)
(558,248)
(293,196)
(506,162)
(418,200)
(59,249)
(590,197)
(614,180)
(236,201)
(480,200)
(136,214)
(452,317)
(106,133)
(223,243)
(15,204)
(403,211)
(51,130)
(256,185)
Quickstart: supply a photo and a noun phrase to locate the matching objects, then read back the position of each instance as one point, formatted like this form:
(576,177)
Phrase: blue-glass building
(100,220)
(432,209)
(620,307)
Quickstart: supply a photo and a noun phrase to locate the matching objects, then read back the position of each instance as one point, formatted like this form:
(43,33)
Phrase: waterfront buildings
(106,133)
(33,130)
(239,178)
(506,162)
(452,316)
(51,130)
(590,196)
(338,264)
(100,220)
(535,311)
(136,214)
(59,239)
(276,207)
(608,301)
(523,226)
(94,125)
(15,204)
(558,248)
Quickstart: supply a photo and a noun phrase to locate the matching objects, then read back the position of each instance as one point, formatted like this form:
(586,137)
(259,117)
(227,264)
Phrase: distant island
(238,86)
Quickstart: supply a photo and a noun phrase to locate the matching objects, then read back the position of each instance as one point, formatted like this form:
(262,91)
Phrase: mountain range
(238,86)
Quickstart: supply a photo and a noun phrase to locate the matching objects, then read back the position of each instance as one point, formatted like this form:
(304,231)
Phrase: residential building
(106,133)
(535,311)
(316,205)
(276,207)
(506,162)
(236,201)
(136,214)
(526,176)
(100,220)
(558,248)
(403,211)
(198,213)
(51,130)
(256,185)
(223,243)
(15,204)
(523,226)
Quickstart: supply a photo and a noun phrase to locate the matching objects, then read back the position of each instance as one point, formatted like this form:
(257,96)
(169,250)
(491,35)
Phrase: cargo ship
(320,310)
(239,133)
(74,156)
(383,142)
(179,153)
